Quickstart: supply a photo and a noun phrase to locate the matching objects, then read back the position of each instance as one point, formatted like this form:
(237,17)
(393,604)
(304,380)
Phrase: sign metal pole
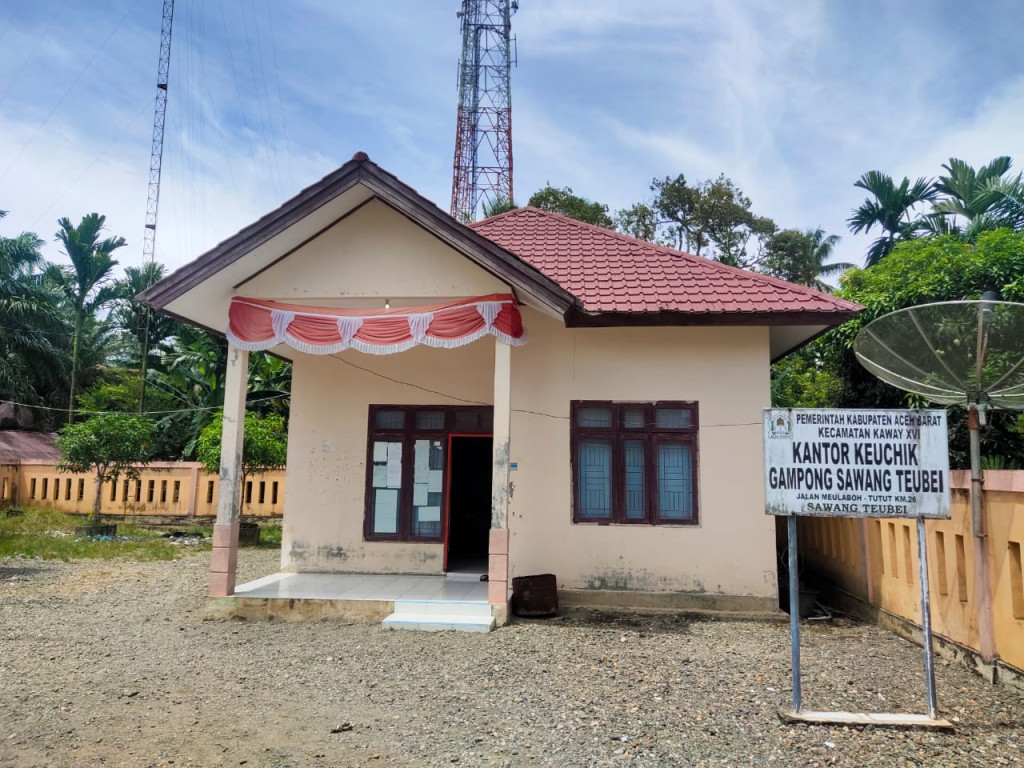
(831,463)
(794,614)
(926,619)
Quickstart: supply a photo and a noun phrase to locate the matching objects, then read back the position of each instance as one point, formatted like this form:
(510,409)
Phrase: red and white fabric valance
(259,324)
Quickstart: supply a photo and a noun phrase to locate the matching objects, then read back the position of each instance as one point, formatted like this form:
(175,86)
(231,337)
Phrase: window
(406,465)
(634,463)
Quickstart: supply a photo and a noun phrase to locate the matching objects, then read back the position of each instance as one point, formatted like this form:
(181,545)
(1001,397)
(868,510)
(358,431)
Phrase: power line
(36,47)
(90,166)
(70,88)
(145,413)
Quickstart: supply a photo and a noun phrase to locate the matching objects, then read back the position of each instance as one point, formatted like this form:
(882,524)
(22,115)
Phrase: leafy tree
(676,203)
(32,330)
(639,221)
(800,380)
(712,213)
(803,257)
(111,445)
(500,205)
(264,445)
(563,201)
(118,389)
(891,209)
(129,316)
(921,271)
(1010,205)
(86,282)
(969,195)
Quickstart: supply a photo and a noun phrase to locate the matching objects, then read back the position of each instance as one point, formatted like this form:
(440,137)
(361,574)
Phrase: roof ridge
(701,260)
(501,215)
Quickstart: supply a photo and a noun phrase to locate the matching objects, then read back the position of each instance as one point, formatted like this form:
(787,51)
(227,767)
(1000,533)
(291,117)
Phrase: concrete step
(436,615)
(465,575)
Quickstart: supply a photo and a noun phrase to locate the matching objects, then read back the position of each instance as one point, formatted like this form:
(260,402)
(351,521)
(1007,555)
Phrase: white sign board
(856,463)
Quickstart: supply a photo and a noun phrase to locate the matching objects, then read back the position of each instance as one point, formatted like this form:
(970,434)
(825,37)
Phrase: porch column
(224,559)
(497,571)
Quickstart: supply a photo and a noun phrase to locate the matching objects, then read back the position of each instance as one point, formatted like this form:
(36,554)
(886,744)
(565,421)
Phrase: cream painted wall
(726,370)
(375,252)
(730,552)
(327,443)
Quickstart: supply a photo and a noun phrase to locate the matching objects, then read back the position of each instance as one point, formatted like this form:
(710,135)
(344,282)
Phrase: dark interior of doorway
(469,510)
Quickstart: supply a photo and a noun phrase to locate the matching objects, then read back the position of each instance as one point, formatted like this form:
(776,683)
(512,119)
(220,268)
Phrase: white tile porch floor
(430,603)
(356,586)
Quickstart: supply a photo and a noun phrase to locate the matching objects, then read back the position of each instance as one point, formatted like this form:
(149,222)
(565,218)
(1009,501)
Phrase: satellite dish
(951,352)
(967,353)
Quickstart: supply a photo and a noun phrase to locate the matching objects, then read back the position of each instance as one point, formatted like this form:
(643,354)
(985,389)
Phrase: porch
(456,601)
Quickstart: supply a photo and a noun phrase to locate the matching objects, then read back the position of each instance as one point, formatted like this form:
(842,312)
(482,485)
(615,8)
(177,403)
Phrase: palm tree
(85,283)
(890,209)
(130,317)
(819,251)
(972,195)
(32,330)
(803,257)
(1010,203)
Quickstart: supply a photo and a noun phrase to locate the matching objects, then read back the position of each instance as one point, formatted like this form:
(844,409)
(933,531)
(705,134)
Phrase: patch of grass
(270,536)
(49,534)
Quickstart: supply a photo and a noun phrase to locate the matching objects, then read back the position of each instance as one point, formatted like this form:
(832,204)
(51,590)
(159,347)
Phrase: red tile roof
(612,272)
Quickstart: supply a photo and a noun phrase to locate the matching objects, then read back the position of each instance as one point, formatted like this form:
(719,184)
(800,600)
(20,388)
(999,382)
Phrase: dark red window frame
(616,435)
(408,434)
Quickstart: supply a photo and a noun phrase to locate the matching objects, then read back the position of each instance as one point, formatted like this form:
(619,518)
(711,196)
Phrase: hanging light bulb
(387,303)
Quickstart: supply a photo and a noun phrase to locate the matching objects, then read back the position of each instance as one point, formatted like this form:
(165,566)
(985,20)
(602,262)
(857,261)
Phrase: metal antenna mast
(156,157)
(482,171)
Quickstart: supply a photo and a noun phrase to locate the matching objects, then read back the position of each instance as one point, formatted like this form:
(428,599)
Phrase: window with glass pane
(634,462)
(390,419)
(467,420)
(386,481)
(427,487)
(594,417)
(675,481)
(595,479)
(633,416)
(635,501)
(430,420)
(672,418)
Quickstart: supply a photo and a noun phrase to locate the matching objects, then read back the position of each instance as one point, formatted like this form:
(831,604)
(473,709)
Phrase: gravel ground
(110,664)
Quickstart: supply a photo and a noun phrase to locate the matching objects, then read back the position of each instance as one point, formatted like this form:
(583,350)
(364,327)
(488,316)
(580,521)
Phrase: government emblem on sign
(779,426)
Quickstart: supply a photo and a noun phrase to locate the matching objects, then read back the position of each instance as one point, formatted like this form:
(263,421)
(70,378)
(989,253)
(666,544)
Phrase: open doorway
(469,504)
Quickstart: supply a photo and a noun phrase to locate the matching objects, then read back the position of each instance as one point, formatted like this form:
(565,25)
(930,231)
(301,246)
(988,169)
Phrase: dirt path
(108,664)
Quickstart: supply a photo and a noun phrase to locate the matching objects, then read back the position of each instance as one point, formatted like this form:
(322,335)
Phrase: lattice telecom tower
(482,172)
(159,115)
(156,158)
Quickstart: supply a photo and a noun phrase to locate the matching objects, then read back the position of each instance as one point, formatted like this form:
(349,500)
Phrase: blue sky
(792,100)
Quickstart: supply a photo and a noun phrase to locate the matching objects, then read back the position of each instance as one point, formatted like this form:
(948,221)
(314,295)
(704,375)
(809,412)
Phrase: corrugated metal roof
(16,446)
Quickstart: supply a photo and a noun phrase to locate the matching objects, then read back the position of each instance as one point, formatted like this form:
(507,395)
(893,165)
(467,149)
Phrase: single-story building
(526,394)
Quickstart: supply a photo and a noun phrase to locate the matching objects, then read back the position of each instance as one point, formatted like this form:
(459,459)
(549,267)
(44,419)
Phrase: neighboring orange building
(609,433)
